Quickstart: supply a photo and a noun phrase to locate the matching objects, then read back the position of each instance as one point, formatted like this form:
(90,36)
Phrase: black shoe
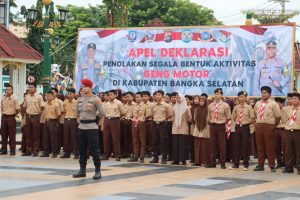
(233,167)
(35,154)
(279,166)
(174,163)
(192,161)
(183,162)
(45,155)
(3,152)
(210,166)
(76,156)
(12,153)
(298,172)
(81,173)
(97,175)
(273,169)
(26,154)
(54,155)
(223,167)
(290,171)
(118,159)
(259,168)
(142,160)
(154,160)
(194,164)
(66,155)
(255,156)
(163,162)
(133,159)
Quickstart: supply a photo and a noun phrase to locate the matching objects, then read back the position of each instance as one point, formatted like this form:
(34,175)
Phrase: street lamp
(32,15)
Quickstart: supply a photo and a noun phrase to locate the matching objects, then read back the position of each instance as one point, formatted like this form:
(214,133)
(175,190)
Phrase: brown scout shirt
(61,106)
(52,110)
(224,113)
(69,108)
(34,104)
(248,114)
(271,111)
(143,112)
(184,126)
(287,118)
(281,123)
(128,110)
(114,108)
(10,105)
(161,111)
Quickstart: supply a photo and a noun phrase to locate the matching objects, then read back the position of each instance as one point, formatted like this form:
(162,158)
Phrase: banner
(189,60)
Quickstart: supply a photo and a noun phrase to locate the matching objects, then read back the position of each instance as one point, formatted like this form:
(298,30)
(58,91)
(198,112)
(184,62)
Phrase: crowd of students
(200,129)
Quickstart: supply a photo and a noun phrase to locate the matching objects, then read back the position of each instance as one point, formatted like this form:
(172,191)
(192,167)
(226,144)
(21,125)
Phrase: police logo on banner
(222,36)
(187,35)
(206,36)
(150,36)
(132,36)
(168,36)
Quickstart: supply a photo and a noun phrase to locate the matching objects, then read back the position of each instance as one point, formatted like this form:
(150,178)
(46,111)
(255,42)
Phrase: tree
(171,12)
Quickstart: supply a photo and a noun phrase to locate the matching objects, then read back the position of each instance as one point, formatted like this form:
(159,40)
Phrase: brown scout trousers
(50,136)
(292,151)
(265,140)
(32,133)
(217,143)
(112,130)
(8,130)
(70,136)
(126,137)
(139,139)
(241,143)
(280,145)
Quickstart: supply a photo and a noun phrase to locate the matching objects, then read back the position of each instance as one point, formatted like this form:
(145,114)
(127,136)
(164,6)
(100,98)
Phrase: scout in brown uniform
(289,99)
(160,112)
(280,136)
(139,113)
(9,108)
(52,114)
(169,124)
(267,119)
(180,131)
(292,126)
(70,125)
(33,104)
(148,123)
(126,137)
(242,116)
(201,133)
(219,114)
(61,122)
(114,109)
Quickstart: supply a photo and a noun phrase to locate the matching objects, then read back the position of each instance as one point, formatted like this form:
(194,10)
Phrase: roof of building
(12,47)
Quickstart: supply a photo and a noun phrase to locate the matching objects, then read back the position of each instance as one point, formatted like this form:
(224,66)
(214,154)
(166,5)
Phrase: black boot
(81,173)
(97,174)
(66,155)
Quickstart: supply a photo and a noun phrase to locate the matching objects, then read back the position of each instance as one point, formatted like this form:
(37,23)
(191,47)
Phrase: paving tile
(270,196)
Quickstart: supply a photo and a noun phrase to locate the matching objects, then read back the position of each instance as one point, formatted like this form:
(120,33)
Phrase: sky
(227,11)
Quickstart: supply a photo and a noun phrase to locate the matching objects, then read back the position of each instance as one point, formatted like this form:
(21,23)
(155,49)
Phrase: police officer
(91,68)
(89,107)
(10,108)
(271,71)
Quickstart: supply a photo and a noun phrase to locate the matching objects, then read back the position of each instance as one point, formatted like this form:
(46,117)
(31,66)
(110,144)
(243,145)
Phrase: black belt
(279,128)
(88,121)
(70,119)
(242,125)
(159,122)
(8,115)
(34,115)
(111,118)
(217,124)
(49,120)
(294,130)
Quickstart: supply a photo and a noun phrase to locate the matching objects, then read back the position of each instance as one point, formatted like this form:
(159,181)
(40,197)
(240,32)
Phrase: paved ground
(48,178)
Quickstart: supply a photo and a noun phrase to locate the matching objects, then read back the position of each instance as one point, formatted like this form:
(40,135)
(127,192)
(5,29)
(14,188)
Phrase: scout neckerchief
(241,115)
(228,131)
(216,111)
(262,109)
(294,116)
